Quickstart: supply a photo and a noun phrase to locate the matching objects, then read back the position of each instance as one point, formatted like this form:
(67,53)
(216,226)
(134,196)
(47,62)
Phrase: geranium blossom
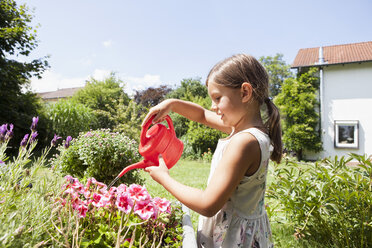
(146,211)
(124,202)
(82,210)
(139,194)
(162,204)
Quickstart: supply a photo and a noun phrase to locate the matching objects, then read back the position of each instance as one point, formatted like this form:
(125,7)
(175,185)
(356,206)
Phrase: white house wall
(347,96)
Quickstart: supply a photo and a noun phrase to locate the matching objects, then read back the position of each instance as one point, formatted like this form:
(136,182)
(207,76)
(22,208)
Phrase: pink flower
(86,193)
(147,211)
(112,190)
(97,200)
(70,178)
(99,184)
(124,202)
(82,210)
(77,186)
(89,181)
(122,188)
(163,204)
(139,194)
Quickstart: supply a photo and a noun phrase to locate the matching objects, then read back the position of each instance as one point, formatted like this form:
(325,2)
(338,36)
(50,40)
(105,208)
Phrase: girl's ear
(246,91)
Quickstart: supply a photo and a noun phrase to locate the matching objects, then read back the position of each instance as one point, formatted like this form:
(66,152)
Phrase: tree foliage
(17,40)
(103,96)
(191,89)
(151,96)
(278,71)
(299,108)
(129,119)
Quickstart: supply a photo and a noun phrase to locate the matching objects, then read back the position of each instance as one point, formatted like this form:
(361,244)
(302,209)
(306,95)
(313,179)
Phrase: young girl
(232,206)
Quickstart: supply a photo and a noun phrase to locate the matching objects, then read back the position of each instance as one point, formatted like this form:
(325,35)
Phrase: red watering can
(155,141)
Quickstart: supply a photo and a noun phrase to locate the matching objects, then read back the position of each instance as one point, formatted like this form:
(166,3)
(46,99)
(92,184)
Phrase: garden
(56,160)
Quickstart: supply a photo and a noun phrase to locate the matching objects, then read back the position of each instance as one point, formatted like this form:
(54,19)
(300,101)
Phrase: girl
(232,206)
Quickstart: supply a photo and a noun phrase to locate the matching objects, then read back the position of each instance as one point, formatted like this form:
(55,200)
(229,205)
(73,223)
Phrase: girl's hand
(158,173)
(160,111)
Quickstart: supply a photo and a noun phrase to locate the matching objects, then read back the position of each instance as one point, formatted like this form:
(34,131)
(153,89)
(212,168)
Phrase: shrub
(329,202)
(70,118)
(201,138)
(100,154)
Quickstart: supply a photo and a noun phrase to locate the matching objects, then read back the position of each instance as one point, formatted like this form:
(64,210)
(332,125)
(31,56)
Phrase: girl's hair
(233,72)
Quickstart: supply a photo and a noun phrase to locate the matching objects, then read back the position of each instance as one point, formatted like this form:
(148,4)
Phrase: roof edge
(326,64)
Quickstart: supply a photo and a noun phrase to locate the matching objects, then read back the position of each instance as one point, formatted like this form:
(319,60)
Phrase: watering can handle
(144,137)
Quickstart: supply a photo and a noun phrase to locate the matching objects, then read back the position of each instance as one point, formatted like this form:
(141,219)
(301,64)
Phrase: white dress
(242,222)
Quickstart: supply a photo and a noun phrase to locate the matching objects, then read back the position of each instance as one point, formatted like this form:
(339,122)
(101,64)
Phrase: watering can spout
(140,165)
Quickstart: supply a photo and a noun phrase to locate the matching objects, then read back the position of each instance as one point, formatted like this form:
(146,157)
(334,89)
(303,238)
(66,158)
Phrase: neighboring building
(345,96)
(54,96)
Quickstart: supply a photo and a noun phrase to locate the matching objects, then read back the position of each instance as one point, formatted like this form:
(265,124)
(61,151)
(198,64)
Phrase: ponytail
(275,131)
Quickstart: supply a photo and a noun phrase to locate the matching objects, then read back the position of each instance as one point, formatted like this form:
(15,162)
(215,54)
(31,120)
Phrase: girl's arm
(241,155)
(191,111)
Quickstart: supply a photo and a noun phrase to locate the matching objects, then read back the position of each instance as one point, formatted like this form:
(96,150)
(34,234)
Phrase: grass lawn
(195,174)
(191,173)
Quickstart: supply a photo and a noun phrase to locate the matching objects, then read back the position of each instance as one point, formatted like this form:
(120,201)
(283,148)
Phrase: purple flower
(24,141)
(67,142)
(3,131)
(1,162)
(35,120)
(9,133)
(33,136)
(54,140)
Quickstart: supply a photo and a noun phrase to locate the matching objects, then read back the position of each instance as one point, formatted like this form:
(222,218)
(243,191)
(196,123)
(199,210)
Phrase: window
(346,134)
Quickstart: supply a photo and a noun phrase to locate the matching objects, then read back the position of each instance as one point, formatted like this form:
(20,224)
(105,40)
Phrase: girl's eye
(217,98)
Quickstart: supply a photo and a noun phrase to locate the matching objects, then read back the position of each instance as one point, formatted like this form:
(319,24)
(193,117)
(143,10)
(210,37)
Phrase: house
(345,96)
(54,96)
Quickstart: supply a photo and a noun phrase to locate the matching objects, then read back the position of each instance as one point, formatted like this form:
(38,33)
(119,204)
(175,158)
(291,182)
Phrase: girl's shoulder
(258,133)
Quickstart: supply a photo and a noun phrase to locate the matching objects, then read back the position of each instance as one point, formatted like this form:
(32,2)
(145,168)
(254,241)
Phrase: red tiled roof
(60,93)
(337,54)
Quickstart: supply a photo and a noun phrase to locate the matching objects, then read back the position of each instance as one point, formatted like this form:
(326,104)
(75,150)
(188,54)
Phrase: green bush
(329,202)
(69,118)
(100,154)
(200,138)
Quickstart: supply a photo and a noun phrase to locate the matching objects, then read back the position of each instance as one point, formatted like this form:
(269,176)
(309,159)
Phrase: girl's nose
(214,107)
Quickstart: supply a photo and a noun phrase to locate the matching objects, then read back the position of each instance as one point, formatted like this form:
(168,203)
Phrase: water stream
(113,182)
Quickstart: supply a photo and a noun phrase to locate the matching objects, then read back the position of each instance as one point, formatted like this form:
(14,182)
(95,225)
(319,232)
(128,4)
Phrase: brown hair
(233,72)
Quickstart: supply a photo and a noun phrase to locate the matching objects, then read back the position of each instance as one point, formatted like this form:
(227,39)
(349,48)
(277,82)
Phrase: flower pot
(189,240)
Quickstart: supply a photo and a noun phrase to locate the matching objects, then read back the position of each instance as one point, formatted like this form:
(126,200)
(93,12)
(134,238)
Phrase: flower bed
(123,215)
(41,209)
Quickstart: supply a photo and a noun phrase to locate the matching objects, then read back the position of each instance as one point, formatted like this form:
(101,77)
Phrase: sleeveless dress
(243,221)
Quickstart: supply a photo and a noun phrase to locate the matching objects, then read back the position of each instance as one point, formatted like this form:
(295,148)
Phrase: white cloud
(52,81)
(140,83)
(107,43)
(100,74)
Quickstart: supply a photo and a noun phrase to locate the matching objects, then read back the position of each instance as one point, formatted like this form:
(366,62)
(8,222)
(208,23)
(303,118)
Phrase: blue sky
(149,43)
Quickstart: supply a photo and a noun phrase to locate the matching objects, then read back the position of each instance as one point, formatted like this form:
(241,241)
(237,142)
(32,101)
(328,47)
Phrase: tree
(278,71)
(17,40)
(103,96)
(298,105)
(189,88)
(151,96)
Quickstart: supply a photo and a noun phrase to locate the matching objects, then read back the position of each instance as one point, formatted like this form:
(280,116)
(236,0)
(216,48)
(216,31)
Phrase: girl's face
(227,102)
